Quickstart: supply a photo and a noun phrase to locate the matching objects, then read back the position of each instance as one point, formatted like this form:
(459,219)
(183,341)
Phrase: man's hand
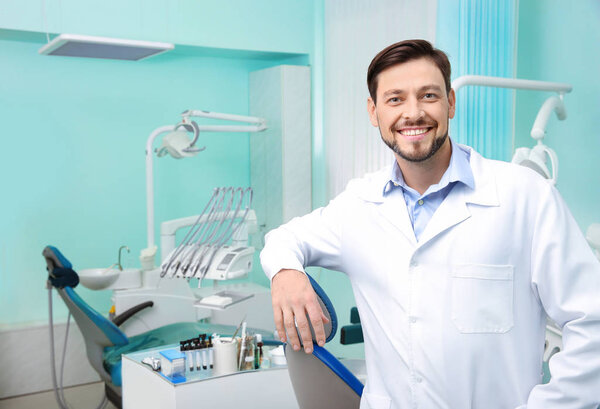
(294,297)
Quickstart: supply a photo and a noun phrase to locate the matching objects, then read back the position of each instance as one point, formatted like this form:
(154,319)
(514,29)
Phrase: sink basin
(98,278)
(110,278)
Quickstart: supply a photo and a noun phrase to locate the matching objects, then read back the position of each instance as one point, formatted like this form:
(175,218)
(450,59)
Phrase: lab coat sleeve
(311,240)
(566,276)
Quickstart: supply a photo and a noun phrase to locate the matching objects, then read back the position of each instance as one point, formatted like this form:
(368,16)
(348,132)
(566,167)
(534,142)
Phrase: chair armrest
(351,334)
(354,317)
(124,316)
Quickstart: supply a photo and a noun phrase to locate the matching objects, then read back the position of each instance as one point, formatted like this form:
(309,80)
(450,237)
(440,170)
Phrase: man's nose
(412,110)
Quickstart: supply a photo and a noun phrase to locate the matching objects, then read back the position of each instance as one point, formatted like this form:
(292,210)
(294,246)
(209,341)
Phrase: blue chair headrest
(60,270)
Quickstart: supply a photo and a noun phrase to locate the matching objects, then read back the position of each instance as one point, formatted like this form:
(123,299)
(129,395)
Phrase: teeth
(413,132)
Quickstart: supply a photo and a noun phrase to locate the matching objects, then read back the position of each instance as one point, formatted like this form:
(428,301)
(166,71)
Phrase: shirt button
(420,202)
(418,379)
(395,184)
(413,263)
(412,320)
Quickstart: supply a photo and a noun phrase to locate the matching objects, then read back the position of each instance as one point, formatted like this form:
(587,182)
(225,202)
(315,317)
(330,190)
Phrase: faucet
(119,262)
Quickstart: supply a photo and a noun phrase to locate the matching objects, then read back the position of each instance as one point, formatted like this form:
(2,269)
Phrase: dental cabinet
(145,388)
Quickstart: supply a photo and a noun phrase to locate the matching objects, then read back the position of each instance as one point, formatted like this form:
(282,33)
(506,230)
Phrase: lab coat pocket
(482,298)
(377,401)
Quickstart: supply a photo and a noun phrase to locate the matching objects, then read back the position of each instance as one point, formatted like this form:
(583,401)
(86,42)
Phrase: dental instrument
(204,248)
(147,256)
(205,262)
(152,362)
(242,345)
(188,237)
(238,327)
(202,231)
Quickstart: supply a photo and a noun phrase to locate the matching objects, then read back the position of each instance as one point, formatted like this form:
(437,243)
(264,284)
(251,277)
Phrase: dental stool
(104,341)
(319,379)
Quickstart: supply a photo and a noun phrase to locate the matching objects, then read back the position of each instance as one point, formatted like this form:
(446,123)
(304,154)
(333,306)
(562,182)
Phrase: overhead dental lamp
(75,45)
(178,144)
(536,157)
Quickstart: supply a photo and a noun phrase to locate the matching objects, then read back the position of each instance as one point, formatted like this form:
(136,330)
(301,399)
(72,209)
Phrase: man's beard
(437,143)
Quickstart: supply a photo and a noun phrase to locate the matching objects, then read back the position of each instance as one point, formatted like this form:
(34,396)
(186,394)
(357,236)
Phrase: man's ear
(372,109)
(451,103)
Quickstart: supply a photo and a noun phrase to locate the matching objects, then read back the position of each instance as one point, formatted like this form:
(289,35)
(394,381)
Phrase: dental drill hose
(59,400)
(58,389)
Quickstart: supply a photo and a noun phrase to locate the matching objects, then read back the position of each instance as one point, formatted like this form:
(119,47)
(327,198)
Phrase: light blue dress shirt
(422,207)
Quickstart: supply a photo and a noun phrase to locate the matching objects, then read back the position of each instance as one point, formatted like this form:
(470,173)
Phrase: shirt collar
(459,170)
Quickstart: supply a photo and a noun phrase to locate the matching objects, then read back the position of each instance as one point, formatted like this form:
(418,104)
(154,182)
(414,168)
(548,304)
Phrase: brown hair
(402,52)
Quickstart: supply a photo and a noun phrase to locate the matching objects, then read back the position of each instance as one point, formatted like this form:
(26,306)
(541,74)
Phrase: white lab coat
(457,320)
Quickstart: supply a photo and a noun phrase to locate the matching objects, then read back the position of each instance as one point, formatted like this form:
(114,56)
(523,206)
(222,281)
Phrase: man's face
(412,110)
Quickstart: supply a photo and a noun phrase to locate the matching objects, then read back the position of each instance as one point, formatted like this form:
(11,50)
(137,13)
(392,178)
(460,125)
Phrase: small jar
(248,363)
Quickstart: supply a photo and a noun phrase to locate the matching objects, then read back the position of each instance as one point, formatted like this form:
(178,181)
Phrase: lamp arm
(217,115)
(150,182)
(555,104)
(500,82)
(261,123)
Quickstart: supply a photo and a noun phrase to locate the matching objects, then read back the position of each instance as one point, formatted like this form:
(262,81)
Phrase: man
(455,262)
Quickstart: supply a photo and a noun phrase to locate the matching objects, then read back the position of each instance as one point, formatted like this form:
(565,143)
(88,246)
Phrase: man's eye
(394,100)
(429,95)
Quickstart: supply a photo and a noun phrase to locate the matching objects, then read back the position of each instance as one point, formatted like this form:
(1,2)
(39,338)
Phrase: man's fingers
(317,318)
(304,329)
(290,328)
(278,318)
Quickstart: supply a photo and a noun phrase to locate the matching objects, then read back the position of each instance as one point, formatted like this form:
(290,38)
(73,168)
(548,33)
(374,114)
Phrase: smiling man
(455,261)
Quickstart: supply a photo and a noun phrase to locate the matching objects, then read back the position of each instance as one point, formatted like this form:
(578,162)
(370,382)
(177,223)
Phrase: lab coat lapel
(454,209)
(451,212)
(395,211)
(392,207)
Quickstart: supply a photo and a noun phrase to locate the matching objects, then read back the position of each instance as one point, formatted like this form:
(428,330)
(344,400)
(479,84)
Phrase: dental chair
(104,341)
(319,379)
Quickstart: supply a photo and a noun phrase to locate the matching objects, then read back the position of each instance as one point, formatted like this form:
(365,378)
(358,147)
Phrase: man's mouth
(414,134)
(414,131)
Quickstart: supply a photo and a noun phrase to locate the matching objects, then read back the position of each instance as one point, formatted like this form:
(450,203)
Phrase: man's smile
(413,133)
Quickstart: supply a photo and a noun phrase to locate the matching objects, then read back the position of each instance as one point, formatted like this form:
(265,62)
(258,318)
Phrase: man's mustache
(421,123)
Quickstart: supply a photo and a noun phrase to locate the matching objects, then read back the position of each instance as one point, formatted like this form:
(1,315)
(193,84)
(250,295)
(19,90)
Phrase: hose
(58,389)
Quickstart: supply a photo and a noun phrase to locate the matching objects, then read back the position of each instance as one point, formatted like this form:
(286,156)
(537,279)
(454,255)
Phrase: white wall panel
(355,31)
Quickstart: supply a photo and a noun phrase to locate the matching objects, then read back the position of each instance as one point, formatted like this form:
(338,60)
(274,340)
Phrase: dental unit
(147,256)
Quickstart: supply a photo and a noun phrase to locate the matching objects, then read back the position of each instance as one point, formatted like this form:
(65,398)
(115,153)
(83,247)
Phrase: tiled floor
(78,397)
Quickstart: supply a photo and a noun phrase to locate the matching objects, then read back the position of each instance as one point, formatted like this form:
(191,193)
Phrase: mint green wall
(559,41)
(268,25)
(74,132)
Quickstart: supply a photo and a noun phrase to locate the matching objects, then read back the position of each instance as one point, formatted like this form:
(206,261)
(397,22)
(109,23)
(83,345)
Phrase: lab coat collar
(484,193)
(459,170)
(451,212)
